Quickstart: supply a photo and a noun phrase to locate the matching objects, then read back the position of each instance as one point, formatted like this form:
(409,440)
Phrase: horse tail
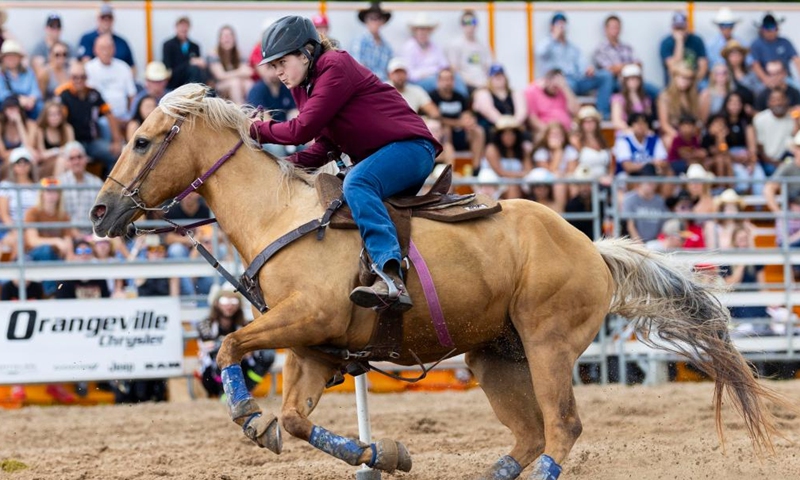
(673,303)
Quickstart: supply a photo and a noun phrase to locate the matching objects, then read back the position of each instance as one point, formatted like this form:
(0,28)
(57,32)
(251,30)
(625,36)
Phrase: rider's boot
(387,292)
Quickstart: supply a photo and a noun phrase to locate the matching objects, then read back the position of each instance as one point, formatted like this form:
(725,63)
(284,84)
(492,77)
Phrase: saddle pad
(480,206)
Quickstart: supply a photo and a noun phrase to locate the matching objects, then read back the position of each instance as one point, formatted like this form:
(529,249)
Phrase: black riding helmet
(287,35)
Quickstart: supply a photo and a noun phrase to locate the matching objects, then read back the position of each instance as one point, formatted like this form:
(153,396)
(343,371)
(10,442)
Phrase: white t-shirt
(773,133)
(114,82)
(543,155)
(471,59)
(415,96)
(28,198)
(596,160)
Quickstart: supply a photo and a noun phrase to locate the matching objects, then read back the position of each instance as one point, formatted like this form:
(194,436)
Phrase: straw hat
(697,172)
(731,46)
(725,17)
(588,111)
(422,20)
(506,122)
(11,47)
(156,72)
(729,196)
(631,70)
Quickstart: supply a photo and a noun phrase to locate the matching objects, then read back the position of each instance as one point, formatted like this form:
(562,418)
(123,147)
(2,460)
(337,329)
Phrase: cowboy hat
(375,7)
(731,46)
(156,72)
(729,196)
(11,47)
(725,17)
(422,20)
(769,22)
(506,122)
(697,172)
(589,111)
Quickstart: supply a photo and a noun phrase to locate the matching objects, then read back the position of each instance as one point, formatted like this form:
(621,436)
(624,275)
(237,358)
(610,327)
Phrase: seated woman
(141,110)
(232,74)
(226,316)
(678,100)
(19,81)
(48,243)
(506,157)
(15,128)
(553,151)
(55,72)
(593,154)
(14,203)
(50,134)
(713,97)
(719,233)
(632,98)
(498,99)
(741,142)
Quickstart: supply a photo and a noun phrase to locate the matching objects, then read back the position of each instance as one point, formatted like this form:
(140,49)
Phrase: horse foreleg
(304,381)
(507,385)
(295,322)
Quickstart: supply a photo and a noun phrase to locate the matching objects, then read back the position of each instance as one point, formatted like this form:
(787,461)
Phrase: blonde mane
(191,101)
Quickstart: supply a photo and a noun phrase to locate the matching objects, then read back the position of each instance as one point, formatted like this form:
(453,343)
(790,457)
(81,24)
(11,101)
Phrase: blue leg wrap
(235,388)
(545,468)
(506,468)
(340,447)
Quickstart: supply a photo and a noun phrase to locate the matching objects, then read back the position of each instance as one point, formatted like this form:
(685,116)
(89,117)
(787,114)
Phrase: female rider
(345,108)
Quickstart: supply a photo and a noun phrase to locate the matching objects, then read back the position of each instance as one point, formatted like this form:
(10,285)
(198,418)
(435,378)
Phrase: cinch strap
(435,308)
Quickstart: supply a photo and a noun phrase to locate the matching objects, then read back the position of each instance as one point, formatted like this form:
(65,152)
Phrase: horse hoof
(265,432)
(391,456)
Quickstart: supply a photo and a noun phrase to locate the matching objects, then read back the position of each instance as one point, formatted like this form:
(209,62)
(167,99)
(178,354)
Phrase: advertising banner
(82,340)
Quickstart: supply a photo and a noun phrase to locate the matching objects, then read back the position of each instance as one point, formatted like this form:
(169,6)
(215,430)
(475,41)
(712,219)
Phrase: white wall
(644,24)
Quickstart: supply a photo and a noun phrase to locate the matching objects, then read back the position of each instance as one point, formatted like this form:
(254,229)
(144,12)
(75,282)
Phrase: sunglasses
(228,301)
(467,21)
(59,54)
(83,251)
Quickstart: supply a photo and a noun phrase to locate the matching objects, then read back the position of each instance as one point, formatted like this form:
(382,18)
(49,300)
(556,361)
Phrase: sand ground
(643,433)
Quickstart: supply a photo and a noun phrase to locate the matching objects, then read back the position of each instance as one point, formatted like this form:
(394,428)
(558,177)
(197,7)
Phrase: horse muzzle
(111,216)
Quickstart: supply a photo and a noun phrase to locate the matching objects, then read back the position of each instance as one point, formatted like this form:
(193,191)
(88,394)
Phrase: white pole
(364,429)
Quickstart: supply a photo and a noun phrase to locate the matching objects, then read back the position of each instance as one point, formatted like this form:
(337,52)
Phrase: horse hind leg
(304,381)
(507,385)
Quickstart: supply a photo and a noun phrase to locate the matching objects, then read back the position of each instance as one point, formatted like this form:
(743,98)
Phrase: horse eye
(141,144)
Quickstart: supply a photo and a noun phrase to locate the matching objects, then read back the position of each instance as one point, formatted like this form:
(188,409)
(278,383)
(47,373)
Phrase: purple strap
(437,316)
(199,181)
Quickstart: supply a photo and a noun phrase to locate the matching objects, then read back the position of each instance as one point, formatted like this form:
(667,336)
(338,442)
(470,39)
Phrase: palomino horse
(523,277)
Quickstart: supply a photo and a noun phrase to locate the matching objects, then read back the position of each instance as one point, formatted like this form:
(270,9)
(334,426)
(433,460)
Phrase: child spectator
(155,252)
(83,289)
(55,72)
(550,99)
(678,100)
(684,204)
(643,200)
(686,148)
(721,234)
(17,80)
(370,48)
(231,72)
(713,97)
(225,317)
(715,143)
(640,147)
(554,153)
(78,202)
(469,58)
(461,127)
(48,243)
(52,132)
(593,153)
(182,57)
(506,157)
(632,99)
(498,99)
(142,109)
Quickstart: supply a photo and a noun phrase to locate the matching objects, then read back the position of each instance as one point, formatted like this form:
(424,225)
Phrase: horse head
(170,150)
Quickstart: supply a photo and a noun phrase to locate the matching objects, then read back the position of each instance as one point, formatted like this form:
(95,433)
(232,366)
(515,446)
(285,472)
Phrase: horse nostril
(98,212)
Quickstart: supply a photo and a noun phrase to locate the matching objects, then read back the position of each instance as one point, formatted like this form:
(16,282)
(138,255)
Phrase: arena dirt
(636,433)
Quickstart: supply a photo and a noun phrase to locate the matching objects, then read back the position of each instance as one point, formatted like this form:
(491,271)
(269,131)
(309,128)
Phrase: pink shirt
(546,108)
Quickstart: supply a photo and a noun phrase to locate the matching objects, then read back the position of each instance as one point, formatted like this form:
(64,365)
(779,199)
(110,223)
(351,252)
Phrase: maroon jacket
(349,110)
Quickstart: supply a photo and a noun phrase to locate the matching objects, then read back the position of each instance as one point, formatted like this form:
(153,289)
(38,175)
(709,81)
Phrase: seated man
(774,128)
(111,77)
(639,148)
(84,106)
(643,200)
(105,25)
(461,127)
(776,80)
(682,46)
(557,53)
(550,99)
(771,46)
(156,79)
(416,97)
(786,169)
(77,203)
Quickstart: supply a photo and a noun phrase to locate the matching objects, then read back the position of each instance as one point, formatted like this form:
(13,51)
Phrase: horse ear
(211,93)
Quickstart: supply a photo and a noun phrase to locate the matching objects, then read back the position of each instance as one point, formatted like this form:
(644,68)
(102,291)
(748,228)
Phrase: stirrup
(394,299)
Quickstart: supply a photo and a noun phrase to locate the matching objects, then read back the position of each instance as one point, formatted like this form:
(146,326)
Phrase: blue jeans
(399,167)
(602,81)
(188,286)
(429,84)
(99,150)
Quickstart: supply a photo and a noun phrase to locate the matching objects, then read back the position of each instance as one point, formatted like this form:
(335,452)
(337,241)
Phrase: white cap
(156,72)
(631,70)
(696,171)
(20,153)
(397,63)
